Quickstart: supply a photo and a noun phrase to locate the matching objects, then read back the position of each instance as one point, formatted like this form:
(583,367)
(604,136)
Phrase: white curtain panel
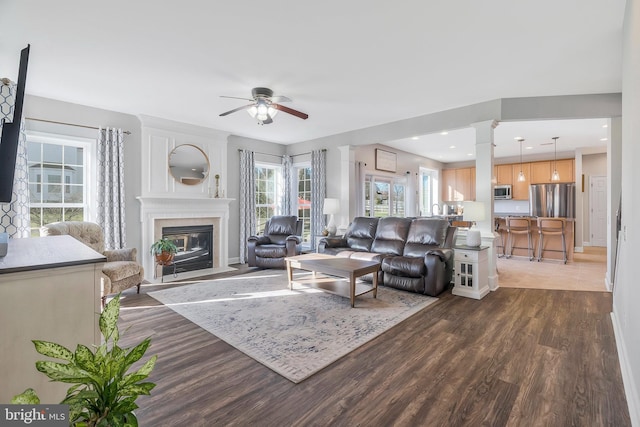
(287,193)
(15,216)
(111,198)
(247,201)
(318,192)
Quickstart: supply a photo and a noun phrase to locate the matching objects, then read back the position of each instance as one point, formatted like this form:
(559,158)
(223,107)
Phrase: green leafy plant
(103,394)
(163,245)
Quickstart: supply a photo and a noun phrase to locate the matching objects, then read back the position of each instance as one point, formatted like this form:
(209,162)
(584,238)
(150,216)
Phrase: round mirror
(188,164)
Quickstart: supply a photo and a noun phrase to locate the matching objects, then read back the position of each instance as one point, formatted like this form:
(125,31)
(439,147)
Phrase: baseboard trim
(234,260)
(633,400)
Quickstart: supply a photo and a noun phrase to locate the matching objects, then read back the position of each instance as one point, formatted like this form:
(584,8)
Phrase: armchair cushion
(282,238)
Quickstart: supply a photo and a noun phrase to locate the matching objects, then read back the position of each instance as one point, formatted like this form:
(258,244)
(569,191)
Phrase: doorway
(598,210)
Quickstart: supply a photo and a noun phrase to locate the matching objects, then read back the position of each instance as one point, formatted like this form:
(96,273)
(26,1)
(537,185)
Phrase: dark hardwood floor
(518,357)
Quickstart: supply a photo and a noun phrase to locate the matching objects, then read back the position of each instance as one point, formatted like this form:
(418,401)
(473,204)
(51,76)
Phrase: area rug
(296,333)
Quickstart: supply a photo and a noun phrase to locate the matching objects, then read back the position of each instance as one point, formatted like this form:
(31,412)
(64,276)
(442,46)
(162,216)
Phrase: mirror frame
(189,181)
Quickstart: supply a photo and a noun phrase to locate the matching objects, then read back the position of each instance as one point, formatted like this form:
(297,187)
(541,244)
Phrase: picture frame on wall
(386,160)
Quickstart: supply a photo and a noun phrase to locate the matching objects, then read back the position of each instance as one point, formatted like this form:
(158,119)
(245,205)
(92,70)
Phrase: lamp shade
(473,211)
(331,206)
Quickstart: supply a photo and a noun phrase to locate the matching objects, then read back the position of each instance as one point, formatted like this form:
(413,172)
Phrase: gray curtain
(247,201)
(288,194)
(318,192)
(111,207)
(359,190)
(15,216)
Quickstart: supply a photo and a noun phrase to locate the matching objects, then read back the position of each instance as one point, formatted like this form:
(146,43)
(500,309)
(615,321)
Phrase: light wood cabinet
(520,190)
(463,184)
(565,170)
(458,184)
(448,184)
(504,174)
(540,172)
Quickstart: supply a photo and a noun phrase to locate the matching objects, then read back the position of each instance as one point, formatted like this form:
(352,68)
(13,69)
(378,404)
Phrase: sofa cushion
(425,234)
(282,225)
(361,233)
(271,251)
(404,266)
(391,235)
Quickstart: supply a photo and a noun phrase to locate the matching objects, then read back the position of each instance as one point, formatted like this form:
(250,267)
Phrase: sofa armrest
(294,238)
(259,240)
(125,254)
(334,242)
(444,254)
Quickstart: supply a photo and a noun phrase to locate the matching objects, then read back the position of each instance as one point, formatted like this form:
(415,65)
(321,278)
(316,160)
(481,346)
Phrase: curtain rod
(126,132)
(280,155)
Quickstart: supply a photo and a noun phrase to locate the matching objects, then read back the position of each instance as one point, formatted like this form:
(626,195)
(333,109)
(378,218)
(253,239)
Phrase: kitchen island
(552,244)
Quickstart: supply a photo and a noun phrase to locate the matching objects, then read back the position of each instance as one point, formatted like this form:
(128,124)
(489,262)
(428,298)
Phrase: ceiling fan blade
(280,99)
(244,107)
(236,97)
(290,111)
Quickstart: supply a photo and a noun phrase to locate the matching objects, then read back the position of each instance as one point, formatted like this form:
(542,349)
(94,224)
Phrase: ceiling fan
(264,106)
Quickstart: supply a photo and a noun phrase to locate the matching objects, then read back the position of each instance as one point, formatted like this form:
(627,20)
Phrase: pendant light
(521,177)
(555,176)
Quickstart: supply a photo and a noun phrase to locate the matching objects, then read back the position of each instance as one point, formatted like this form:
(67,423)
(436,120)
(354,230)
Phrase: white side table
(471,271)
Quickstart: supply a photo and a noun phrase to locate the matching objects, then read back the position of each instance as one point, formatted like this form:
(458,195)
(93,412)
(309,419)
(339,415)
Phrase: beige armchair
(120,272)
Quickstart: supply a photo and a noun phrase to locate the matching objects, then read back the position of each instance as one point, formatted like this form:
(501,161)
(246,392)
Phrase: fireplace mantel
(158,211)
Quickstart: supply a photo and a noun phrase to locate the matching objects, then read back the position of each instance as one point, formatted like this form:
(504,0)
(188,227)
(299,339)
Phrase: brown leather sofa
(282,237)
(416,254)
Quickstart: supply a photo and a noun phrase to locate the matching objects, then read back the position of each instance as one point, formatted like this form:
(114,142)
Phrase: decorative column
(484,192)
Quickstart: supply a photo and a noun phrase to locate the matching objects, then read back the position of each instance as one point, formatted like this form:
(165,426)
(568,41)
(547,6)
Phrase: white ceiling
(348,64)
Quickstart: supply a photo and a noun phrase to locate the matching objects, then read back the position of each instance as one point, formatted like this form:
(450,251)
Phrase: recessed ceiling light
(528,148)
(415,138)
(469,154)
(604,139)
(605,126)
(444,132)
(452,146)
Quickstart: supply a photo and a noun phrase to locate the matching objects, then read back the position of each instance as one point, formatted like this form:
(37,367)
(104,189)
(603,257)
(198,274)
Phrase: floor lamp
(473,211)
(331,207)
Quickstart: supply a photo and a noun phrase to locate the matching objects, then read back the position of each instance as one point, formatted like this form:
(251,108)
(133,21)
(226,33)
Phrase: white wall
(626,295)
(53,110)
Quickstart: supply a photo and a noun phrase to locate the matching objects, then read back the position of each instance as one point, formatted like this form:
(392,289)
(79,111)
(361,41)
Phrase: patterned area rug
(296,333)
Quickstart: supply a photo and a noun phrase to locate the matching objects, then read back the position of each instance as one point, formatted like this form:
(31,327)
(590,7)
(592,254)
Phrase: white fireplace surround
(158,212)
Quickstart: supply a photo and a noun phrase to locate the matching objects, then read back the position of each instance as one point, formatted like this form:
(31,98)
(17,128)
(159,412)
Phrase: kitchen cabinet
(565,170)
(520,190)
(504,174)
(458,184)
(540,172)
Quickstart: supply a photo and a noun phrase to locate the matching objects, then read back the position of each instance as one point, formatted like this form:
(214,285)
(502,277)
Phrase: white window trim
(89,147)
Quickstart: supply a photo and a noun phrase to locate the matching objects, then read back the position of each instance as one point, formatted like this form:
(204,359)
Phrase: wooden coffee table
(334,266)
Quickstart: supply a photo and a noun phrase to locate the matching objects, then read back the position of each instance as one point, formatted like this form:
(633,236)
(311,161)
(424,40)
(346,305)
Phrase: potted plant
(103,392)
(164,250)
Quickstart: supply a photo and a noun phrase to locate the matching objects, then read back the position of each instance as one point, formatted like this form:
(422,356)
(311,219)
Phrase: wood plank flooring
(518,357)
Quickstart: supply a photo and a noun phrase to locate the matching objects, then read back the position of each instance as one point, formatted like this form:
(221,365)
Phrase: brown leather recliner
(426,263)
(282,238)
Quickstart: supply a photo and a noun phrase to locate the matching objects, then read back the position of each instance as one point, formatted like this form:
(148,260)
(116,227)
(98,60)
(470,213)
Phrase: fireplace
(195,248)
(160,213)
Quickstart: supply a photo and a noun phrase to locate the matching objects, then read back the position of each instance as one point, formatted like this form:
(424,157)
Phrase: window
(268,189)
(428,191)
(58,179)
(303,197)
(384,196)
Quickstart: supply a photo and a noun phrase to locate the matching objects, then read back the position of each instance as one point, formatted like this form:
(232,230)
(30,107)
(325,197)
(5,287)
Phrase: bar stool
(515,226)
(501,244)
(551,227)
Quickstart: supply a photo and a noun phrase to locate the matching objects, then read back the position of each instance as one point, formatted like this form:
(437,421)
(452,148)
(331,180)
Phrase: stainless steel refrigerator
(553,200)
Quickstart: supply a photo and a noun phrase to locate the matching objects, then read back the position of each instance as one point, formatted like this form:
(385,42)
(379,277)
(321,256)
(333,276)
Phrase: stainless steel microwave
(502,192)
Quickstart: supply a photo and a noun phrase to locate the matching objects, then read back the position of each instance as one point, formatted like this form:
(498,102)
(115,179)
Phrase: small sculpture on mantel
(217,177)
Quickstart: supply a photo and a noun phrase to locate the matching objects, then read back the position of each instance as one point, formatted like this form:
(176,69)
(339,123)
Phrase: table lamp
(331,207)
(473,211)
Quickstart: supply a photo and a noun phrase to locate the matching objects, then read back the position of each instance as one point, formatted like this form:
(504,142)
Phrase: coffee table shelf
(349,269)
